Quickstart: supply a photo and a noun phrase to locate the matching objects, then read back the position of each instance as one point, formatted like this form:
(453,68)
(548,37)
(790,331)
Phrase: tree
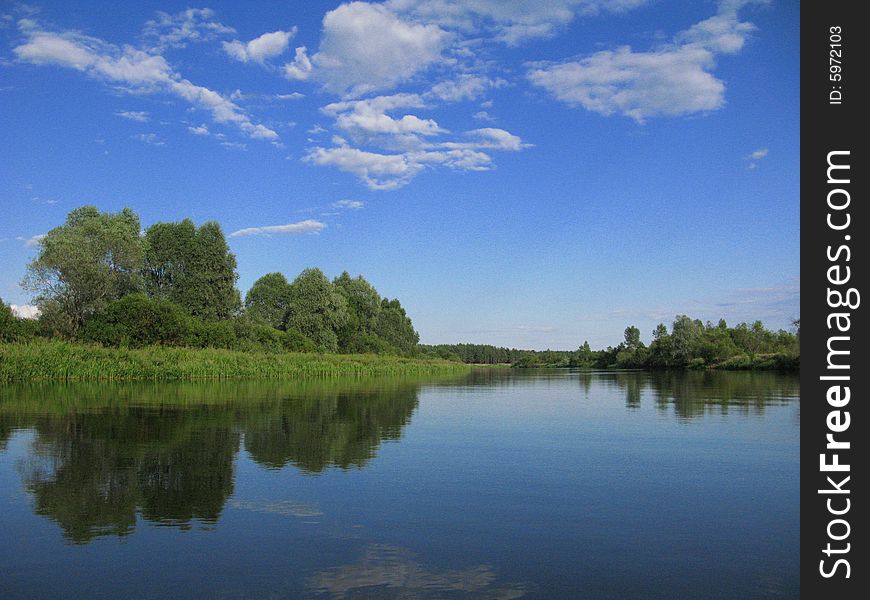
(364,307)
(316,309)
(632,338)
(362,299)
(396,328)
(7,321)
(192,267)
(268,299)
(89,261)
(685,335)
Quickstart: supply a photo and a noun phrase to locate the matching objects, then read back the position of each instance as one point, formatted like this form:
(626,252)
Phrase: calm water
(496,485)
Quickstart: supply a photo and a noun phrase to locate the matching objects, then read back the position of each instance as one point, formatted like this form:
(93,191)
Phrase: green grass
(42,360)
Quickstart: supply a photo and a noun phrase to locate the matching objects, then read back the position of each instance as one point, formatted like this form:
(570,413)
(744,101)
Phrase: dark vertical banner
(834,264)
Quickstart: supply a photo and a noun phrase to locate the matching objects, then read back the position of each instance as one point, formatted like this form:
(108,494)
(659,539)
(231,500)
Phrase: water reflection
(100,455)
(691,395)
(391,572)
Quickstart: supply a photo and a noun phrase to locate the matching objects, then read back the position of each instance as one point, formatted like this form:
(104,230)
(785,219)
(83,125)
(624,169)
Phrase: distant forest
(99,278)
(690,343)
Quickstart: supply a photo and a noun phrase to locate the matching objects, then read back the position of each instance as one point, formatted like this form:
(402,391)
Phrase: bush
(256,337)
(211,334)
(295,341)
(137,321)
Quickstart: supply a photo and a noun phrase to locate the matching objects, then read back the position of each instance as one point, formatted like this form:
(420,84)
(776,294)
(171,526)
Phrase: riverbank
(44,360)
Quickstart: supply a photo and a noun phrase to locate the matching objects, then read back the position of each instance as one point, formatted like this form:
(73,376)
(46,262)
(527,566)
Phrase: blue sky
(522,173)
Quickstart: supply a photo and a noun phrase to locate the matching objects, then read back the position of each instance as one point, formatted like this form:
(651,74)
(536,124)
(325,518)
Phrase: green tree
(316,309)
(685,337)
(192,267)
(632,338)
(7,321)
(364,308)
(90,260)
(396,328)
(268,299)
(362,299)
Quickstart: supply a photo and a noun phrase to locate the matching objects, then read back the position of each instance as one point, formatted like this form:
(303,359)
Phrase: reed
(51,360)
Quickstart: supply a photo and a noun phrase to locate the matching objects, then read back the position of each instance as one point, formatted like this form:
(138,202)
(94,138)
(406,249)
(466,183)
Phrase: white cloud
(465,87)
(369,116)
(234,145)
(348,204)
(366,47)
(391,171)
(673,80)
(636,84)
(377,171)
(306,226)
(268,45)
(482,115)
(177,30)
(509,21)
(133,69)
(201,130)
(756,156)
(722,33)
(301,66)
(490,138)
(290,96)
(31,242)
(149,138)
(134,115)
(25,311)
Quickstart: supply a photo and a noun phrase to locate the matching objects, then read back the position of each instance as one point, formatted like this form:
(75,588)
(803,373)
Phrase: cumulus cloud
(639,85)
(467,86)
(306,226)
(268,45)
(377,171)
(179,29)
(508,21)
(369,116)
(134,115)
(673,80)
(366,47)
(201,130)
(132,69)
(382,171)
(25,311)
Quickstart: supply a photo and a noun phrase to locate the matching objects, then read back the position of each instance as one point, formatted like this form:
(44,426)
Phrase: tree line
(100,278)
(690,343)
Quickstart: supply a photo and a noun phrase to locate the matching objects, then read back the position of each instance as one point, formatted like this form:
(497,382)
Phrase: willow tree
(82,265)
(267,300)
(192,267)
(316,309)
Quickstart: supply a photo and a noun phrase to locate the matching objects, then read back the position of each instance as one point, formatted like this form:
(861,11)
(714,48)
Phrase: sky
(521,173)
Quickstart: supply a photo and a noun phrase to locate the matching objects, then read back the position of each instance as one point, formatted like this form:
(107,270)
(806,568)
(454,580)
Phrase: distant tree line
(100,278)
(690,343)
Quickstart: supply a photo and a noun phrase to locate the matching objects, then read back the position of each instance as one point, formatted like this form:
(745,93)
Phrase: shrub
(295,341)
(137,321)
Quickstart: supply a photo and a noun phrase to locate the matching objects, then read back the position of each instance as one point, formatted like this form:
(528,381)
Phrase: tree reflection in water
(103,454)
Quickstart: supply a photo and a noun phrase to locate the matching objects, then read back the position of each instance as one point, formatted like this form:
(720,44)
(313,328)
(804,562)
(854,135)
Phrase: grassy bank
(40,360)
